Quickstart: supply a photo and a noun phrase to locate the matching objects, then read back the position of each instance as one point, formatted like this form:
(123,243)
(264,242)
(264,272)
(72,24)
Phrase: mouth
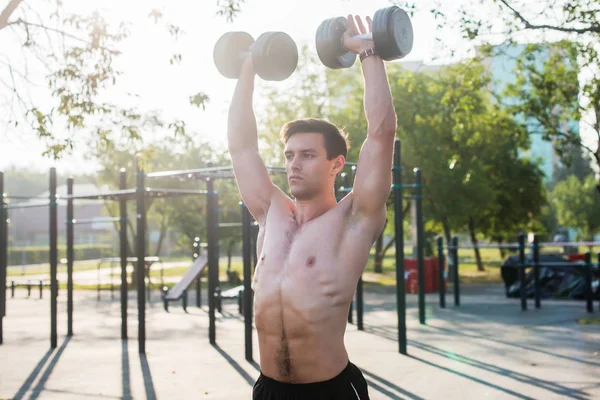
(294,178)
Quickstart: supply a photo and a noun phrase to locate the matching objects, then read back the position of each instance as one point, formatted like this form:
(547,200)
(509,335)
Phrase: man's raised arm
(251,175)
(373,175)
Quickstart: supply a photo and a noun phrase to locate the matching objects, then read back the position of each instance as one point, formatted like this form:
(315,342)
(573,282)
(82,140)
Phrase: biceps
(373,175)
(253,182)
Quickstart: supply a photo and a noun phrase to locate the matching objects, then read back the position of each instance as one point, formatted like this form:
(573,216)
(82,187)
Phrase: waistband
(341,378)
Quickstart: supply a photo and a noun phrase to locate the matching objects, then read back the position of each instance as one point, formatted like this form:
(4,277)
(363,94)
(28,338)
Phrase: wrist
(366,53)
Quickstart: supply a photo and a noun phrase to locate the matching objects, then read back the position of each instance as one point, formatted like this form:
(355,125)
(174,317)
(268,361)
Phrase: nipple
(311,261)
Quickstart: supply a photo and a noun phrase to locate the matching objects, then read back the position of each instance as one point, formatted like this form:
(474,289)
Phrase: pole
(3,258)
(211,226)
(521,240)
(399,230)
(536,271)
(441,281)
(123,253)
(141,258)
(588,282)
(53,261)
(455,272)
(247,300)
(420,263)
(70,257)
(197,251)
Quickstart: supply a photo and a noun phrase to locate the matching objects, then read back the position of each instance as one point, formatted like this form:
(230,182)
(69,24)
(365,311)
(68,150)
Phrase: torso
(303,286)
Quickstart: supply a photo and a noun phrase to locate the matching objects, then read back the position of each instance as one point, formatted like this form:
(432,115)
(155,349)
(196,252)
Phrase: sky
(164,87)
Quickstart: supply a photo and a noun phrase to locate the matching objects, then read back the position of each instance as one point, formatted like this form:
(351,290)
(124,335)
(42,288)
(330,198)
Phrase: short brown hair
(336,140)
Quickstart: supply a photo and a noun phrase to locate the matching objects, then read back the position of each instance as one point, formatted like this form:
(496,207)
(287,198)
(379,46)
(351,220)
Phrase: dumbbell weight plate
(402,32)
(330,46)
(392,33)
(227,53)
(275,56)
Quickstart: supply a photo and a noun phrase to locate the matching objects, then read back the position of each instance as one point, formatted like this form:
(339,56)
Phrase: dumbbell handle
(368,36)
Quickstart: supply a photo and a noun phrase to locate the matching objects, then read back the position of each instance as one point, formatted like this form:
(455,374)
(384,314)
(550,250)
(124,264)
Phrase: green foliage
(79,55)
(576,203)
(558,81)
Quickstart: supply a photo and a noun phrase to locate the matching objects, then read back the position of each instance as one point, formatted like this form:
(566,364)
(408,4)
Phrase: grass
(45,268)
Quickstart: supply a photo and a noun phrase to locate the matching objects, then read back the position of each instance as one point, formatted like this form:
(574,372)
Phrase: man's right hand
(248,66)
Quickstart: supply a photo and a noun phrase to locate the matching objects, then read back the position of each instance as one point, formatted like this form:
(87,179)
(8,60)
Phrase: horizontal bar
(562,244)
(230,225)
(112,195)
(94,220)
(26,205)
(226,172)
(129,194)
(485,246)
(23,197)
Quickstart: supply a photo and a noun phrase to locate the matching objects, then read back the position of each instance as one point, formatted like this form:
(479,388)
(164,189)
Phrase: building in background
(502,65)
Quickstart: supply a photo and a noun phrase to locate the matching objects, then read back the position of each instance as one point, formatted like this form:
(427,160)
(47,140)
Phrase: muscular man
(312,250)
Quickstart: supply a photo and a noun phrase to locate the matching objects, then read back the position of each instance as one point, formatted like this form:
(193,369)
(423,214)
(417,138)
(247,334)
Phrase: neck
(309,209)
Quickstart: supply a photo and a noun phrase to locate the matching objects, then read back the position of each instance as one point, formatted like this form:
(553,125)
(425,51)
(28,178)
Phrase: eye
(288,157)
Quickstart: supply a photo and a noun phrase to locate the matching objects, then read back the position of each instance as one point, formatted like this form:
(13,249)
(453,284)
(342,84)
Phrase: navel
(311,261)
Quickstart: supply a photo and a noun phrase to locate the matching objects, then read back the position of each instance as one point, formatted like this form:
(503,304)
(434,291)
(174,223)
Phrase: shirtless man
(313,250)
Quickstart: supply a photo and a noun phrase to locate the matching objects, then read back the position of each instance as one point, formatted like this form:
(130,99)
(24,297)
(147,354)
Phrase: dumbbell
(274,55)
(391,31)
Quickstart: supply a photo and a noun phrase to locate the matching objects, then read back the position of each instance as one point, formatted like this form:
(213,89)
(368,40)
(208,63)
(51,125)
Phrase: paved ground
(487,348)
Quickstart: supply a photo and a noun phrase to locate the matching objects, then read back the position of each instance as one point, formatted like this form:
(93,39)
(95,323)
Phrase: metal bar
(247,299)
(20,206)
(441,280)
(486,246)
(196,252)
(174,191)
(231,225)
(70,258)
(588,282)
(123,253)
(455,272)
(420,244)
(141,255)
(24,197)
(562,244)
(211,210)
(522,271)
(53,261)
(3,258)
(536,271)
(399,231)
(102,195)
(73,221)
(194,173)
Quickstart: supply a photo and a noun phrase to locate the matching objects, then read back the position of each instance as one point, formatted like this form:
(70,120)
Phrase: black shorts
(350,384)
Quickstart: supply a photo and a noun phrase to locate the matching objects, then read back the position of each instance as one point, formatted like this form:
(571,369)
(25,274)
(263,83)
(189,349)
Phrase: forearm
(241,125)
(379,107)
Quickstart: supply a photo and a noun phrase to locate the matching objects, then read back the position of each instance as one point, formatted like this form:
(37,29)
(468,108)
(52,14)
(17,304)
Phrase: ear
(337,165)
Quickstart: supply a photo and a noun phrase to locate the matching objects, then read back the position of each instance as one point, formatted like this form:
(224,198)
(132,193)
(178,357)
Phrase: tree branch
(7,12)
(528,25)
(63,33)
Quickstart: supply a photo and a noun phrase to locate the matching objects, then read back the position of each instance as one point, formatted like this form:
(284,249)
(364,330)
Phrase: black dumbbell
(274,55)
(392,33)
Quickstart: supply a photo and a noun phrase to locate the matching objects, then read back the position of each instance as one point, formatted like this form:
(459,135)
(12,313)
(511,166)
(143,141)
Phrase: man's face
(308,169)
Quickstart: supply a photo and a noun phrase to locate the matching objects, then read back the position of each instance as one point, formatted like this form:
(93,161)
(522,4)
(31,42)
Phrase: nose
(295,164)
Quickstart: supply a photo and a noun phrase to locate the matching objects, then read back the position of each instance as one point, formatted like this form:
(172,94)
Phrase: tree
(577,206)
(77,54)
(565,36)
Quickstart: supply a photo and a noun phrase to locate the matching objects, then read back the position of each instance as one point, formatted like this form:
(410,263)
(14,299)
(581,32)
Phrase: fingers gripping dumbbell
(392,34)
(274,54)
